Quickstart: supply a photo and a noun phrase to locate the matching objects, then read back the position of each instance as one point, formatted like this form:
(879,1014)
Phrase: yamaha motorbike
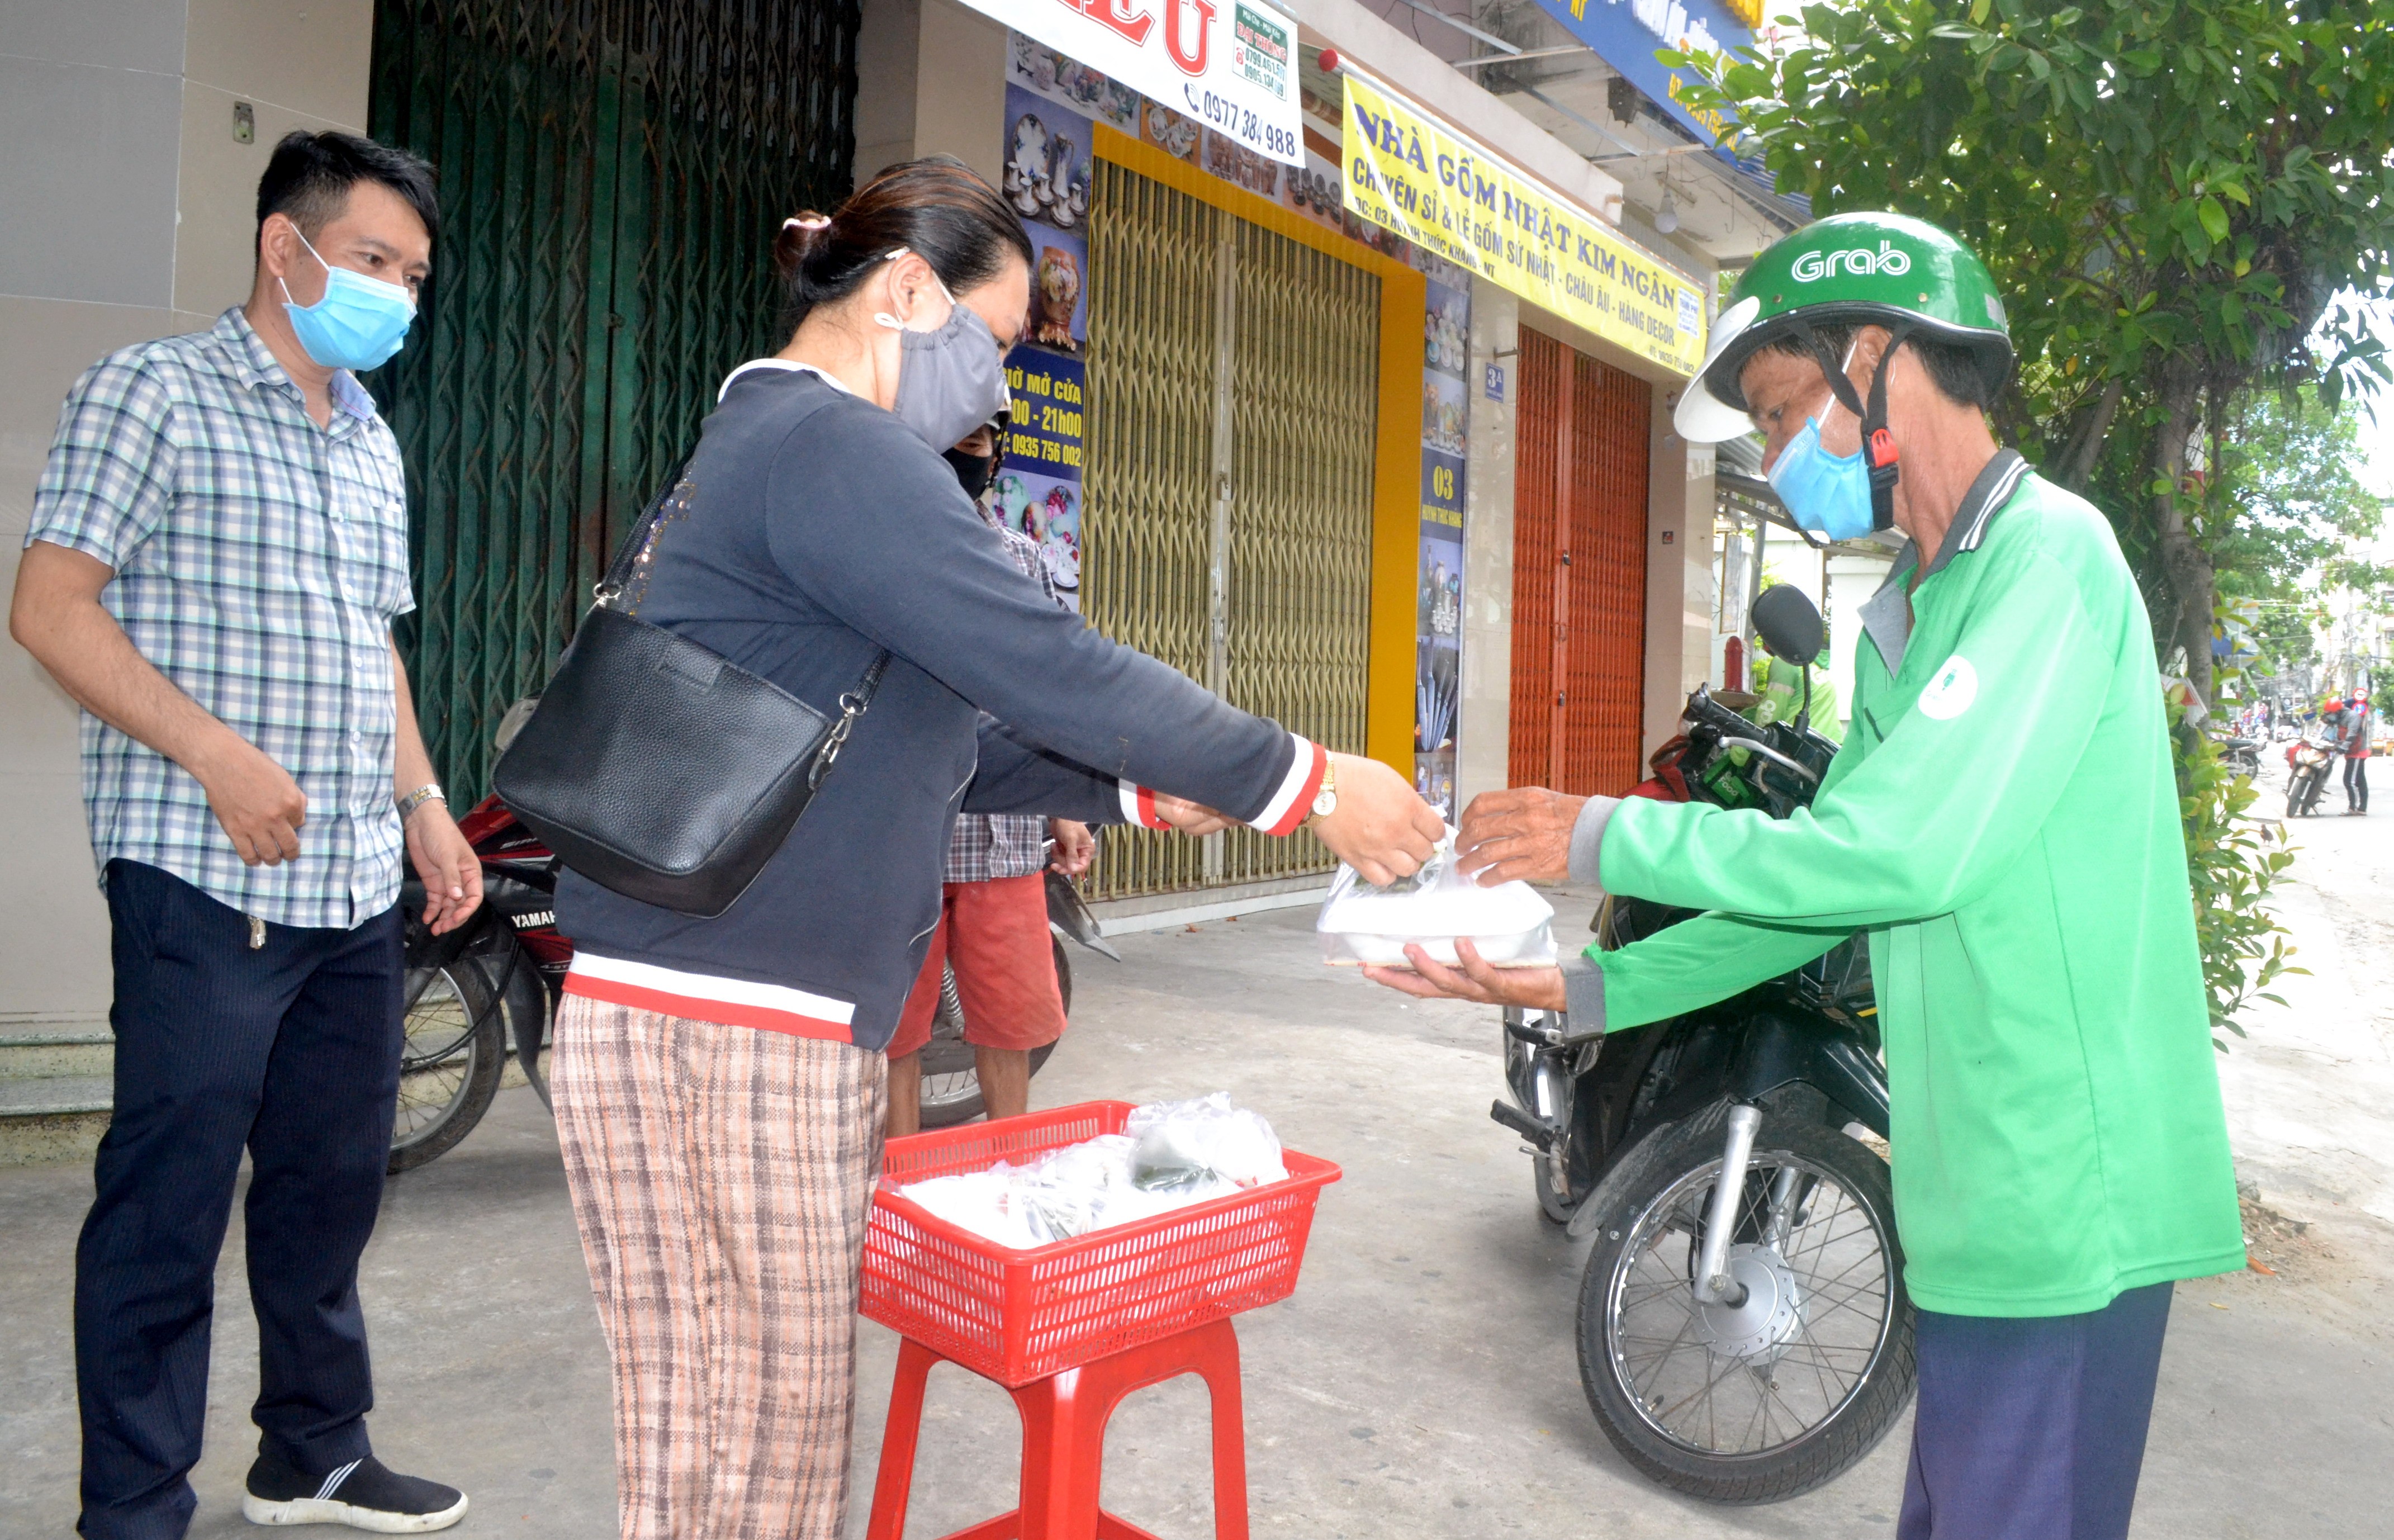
(1743,1331)
(491,988)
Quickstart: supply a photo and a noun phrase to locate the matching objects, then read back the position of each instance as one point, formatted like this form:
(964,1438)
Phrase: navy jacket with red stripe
(818,530)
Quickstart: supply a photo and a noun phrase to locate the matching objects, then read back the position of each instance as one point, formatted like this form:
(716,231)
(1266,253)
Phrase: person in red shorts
(992,924)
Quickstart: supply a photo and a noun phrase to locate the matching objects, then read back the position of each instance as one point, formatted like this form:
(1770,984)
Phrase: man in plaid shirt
(218,546)
(992,927)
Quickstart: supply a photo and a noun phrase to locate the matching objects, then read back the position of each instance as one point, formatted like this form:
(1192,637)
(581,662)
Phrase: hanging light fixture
(1666,219)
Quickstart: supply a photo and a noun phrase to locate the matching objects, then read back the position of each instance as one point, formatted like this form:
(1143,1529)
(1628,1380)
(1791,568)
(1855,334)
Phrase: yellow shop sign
(1410,173)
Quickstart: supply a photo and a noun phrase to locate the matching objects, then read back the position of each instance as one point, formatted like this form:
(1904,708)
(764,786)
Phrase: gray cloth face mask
(950,380)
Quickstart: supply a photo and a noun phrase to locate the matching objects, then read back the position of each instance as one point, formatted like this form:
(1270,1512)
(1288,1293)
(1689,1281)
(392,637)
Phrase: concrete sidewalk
(1423,1382)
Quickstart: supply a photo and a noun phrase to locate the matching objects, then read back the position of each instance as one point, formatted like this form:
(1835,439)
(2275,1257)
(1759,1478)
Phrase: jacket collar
(1888,614)
(1992,488)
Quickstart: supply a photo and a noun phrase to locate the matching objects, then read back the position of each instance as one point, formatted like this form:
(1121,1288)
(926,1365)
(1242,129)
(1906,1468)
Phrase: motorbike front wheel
(2299,792)
(448,1067)
(1781,1394)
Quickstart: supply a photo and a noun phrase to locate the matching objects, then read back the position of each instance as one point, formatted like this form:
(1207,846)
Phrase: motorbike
(490,989)
(2242,755)
(1743,1326)
(479,995)
(2311,762)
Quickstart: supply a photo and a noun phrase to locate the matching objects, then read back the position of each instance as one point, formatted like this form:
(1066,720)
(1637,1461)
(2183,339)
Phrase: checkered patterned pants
(721,1177)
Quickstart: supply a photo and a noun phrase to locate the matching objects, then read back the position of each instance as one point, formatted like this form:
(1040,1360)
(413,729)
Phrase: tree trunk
(2087,446)
(2185,567)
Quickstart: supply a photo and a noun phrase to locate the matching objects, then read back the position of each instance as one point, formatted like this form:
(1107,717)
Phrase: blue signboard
(1045,434)
(1625,33)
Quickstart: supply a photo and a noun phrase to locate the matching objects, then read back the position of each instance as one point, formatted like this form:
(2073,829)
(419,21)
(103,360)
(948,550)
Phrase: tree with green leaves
(2284,640)
(2281,497)
(2171,192)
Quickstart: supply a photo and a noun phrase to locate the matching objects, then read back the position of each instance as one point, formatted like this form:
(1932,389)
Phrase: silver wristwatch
(428,792)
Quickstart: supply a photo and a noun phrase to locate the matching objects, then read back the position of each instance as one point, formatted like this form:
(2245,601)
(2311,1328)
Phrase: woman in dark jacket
(720,1082)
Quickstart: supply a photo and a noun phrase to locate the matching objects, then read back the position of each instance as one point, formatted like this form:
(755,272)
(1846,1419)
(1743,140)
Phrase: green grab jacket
(2003,821)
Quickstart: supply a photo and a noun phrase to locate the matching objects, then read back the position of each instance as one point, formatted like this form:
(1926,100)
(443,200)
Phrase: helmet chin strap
(1885,467)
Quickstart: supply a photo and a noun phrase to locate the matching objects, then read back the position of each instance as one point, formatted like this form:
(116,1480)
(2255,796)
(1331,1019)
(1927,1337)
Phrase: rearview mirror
(1788,625)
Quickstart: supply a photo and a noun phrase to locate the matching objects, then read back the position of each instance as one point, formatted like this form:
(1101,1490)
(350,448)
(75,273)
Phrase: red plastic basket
(1019,1316)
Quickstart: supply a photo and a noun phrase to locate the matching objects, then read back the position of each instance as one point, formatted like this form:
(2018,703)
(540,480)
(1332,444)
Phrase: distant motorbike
(2242,755)
(1741,1338)
(2310,760)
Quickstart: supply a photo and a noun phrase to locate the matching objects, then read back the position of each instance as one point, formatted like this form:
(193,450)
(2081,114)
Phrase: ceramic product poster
(1437,626)
(1239,167)
(1070,84)
(1047,508)
(1049,175)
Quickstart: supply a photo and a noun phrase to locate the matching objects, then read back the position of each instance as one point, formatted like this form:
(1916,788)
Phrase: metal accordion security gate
(613,174)
(1233,395)
(1579,572)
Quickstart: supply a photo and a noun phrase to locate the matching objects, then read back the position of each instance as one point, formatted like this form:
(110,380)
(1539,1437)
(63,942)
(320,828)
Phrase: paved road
(1422,1383)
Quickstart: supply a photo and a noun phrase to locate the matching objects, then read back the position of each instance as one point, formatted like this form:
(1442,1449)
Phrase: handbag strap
(851,706)
(609,587)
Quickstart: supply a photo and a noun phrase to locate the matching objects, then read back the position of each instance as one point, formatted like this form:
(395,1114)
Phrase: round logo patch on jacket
(1950,694)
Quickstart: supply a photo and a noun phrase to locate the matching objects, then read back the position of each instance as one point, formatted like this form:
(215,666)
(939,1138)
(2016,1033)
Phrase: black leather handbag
(654,767)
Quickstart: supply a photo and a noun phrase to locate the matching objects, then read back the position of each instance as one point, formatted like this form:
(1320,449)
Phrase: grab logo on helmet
(1858,261)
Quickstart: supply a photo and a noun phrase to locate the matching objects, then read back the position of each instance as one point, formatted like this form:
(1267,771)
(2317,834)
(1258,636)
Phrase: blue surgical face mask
(1829,495)
(358,324)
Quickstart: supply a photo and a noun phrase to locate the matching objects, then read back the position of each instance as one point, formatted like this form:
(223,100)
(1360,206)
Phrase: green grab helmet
(1864,268)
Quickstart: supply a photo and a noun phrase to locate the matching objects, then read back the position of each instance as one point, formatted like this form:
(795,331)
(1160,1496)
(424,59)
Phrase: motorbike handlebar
(1703,709)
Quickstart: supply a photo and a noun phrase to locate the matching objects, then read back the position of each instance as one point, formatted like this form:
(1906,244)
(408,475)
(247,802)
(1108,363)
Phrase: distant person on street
(218,547)
(2003,823)
(2354,740)
(993,929)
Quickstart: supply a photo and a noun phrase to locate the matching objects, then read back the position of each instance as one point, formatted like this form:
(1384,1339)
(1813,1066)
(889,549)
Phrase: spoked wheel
(951,1083)
(1782,1393)
(450,1066)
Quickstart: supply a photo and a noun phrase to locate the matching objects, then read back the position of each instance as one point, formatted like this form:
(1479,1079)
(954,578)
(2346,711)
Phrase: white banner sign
(1229,64)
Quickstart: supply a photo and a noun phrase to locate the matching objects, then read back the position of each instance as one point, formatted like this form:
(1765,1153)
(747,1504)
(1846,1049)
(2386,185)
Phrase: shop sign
(1408,174)
(1627,34)
(1047,430)
(1229,64)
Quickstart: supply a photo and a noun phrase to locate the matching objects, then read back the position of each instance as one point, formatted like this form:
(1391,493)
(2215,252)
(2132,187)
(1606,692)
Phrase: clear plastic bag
(1174,1154)
(1182,1145)
(1510,924)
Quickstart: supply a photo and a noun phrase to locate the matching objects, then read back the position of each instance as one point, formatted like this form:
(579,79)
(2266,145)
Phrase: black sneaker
(363,1494)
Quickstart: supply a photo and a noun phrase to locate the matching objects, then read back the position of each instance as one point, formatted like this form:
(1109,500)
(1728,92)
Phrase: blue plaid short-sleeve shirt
(259,561)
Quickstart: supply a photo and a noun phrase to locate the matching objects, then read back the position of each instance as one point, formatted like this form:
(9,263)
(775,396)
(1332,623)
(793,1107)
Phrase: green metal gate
(613,174)
(1233,389)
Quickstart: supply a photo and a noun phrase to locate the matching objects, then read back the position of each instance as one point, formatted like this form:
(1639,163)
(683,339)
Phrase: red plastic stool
(1064,1439)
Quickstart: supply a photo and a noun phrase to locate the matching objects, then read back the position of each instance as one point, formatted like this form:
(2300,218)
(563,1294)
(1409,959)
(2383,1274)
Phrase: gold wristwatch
(1325,801)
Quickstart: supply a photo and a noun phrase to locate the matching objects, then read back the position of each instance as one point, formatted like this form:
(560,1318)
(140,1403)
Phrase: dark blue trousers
(291,1051)
(2033,1428)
